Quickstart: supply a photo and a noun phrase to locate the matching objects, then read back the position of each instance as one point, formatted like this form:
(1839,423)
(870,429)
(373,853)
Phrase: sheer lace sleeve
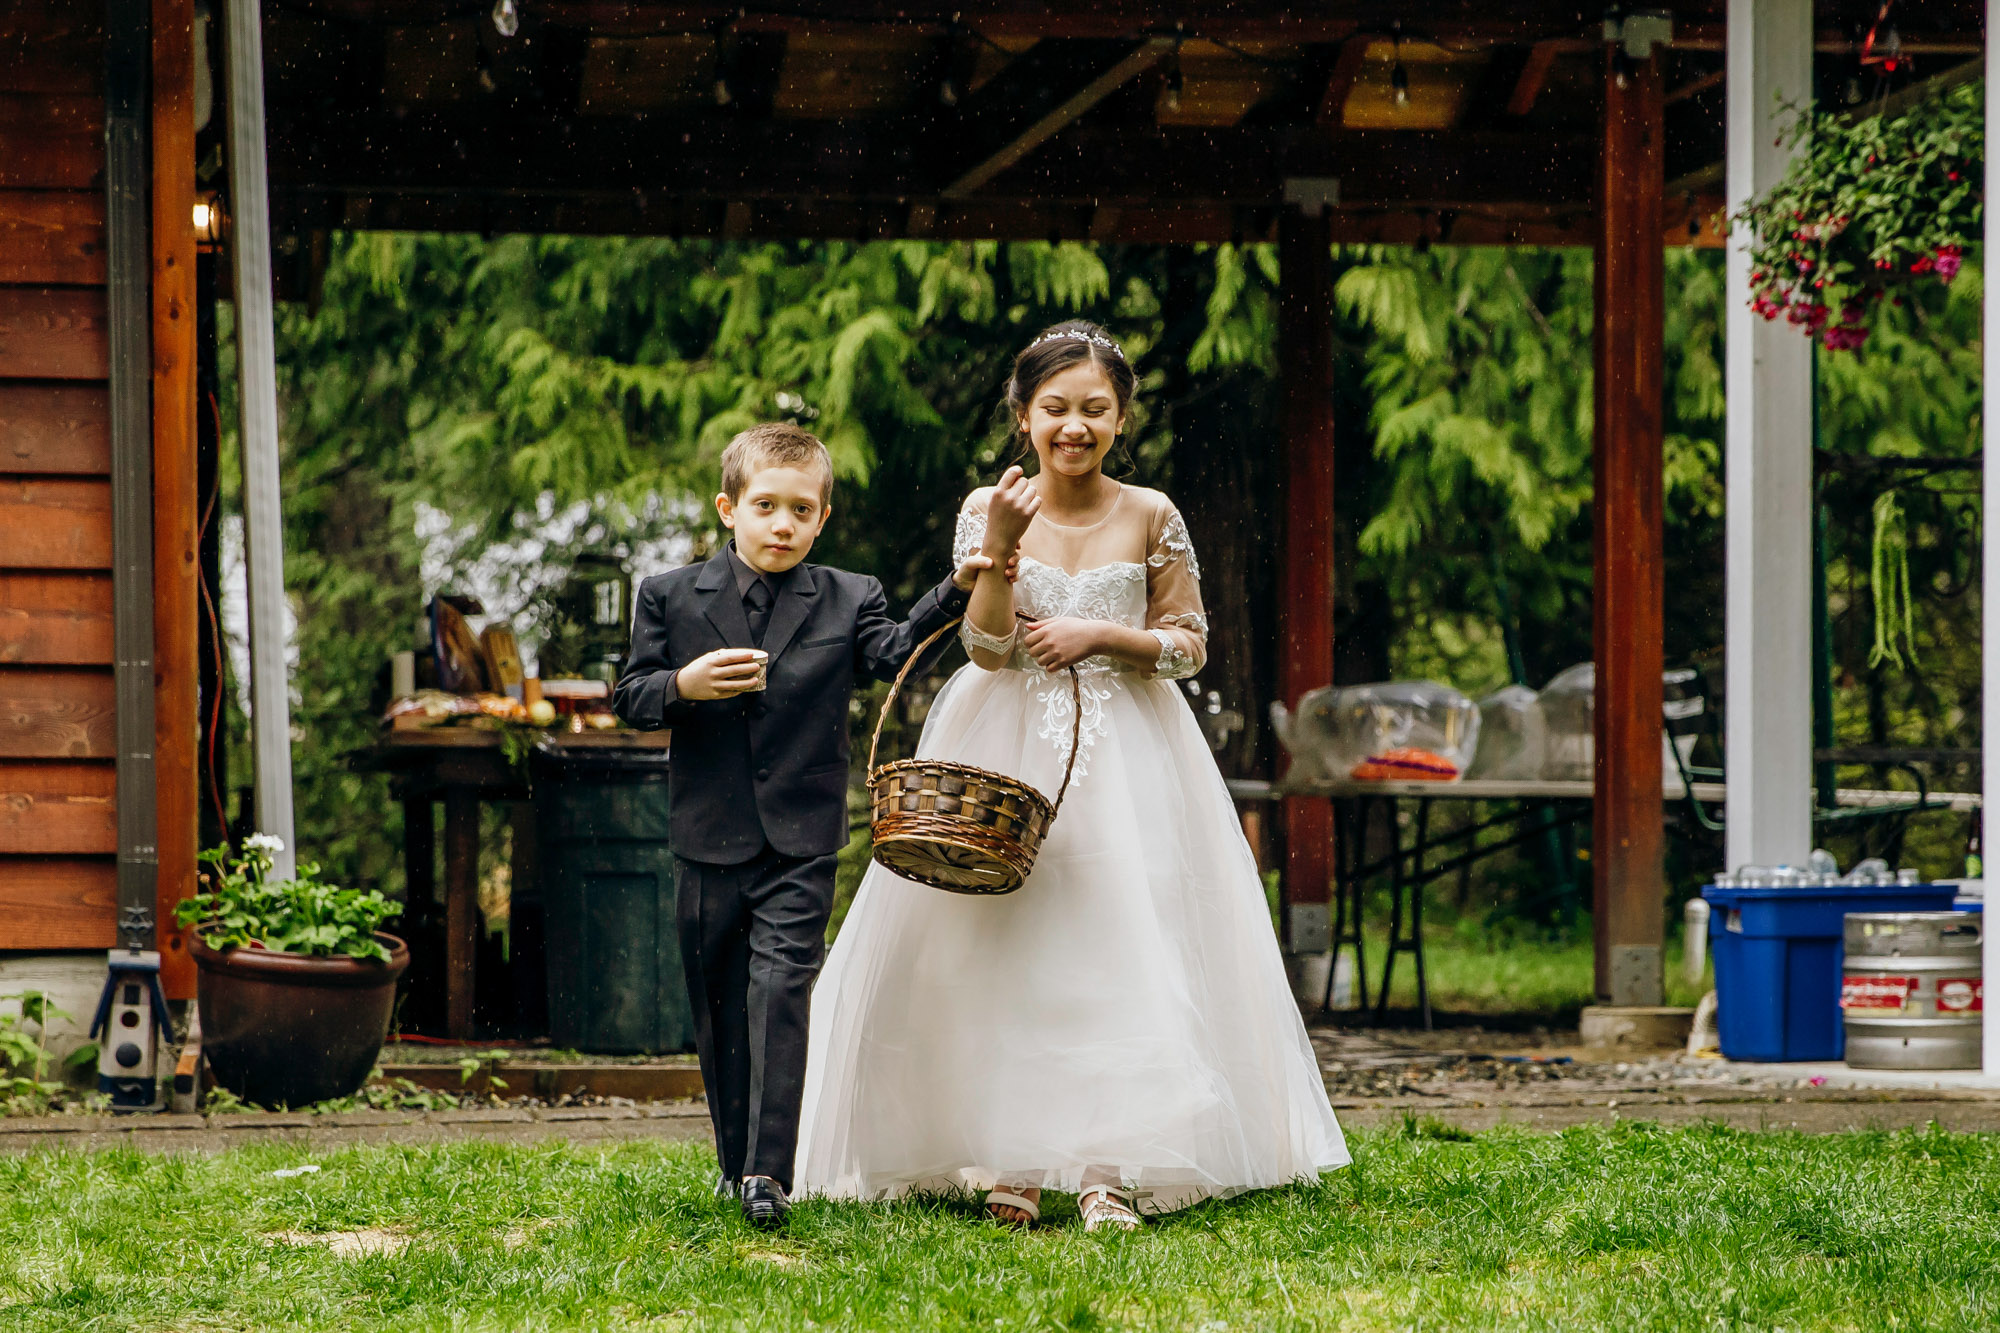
(971,530)
(966,542)
(1173,598)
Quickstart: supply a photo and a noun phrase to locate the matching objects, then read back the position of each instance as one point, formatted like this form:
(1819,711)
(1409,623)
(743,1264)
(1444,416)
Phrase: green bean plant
(242,907)
(1867,206)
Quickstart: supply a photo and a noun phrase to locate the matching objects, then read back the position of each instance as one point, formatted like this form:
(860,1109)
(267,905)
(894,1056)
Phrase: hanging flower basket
(1868,207)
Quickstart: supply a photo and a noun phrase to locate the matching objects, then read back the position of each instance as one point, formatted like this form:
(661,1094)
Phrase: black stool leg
(1340,876)
(1416,942)
(1395,911)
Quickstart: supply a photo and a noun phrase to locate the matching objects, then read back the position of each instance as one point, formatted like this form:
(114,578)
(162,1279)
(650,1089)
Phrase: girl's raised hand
(1010,509)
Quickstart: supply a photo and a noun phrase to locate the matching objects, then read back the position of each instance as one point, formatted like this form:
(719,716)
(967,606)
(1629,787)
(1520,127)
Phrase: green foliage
(24,1058)
(240,906)
(1866,206)
(1476,384)
(1479,372)
(385,1094)
(221,1101)
(487,1062)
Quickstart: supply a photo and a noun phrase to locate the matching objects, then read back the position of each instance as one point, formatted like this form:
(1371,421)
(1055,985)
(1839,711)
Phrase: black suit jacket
(769,767)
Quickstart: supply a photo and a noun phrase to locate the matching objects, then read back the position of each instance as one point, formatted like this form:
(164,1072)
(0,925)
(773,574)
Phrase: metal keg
(1911,990)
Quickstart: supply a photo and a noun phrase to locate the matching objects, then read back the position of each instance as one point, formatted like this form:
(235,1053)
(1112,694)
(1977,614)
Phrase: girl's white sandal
(1008,1199)
(1102,1206)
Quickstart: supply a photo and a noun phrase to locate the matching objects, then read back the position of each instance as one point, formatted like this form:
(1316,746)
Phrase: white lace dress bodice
(1114,592)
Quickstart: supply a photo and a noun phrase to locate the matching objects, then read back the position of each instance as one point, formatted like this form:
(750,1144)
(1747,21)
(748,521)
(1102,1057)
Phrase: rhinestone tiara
(1078,335)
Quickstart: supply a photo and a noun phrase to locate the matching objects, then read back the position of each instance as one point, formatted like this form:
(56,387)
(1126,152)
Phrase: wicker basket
(953,826)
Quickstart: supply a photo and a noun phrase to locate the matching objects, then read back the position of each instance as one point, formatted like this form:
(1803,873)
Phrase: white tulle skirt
(1124,1017)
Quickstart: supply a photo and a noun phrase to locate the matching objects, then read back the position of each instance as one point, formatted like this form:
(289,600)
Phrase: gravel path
(1465,1080)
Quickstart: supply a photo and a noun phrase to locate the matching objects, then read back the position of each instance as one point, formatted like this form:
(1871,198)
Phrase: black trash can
(607,880)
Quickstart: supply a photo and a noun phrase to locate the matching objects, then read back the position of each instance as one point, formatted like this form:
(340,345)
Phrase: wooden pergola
(1515,122)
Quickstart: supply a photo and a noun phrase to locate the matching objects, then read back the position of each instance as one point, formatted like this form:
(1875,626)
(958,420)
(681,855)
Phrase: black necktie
(757,602)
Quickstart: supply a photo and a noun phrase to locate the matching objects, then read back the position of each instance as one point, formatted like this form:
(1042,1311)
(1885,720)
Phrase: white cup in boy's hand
(722,674)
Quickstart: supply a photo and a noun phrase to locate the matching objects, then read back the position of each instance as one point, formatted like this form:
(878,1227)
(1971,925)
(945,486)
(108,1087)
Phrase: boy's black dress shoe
(765,1206)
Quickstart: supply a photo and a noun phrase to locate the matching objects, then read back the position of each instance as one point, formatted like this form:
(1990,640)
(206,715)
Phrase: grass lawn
(1629,1228)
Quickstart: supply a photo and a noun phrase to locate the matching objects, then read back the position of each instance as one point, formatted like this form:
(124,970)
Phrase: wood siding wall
(58,832)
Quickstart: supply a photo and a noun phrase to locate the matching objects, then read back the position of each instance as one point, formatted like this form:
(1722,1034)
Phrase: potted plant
(295,983)
(1867,207)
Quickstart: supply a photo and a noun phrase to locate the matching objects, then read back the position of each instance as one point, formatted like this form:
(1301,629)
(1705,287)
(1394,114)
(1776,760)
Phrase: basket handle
(895,688)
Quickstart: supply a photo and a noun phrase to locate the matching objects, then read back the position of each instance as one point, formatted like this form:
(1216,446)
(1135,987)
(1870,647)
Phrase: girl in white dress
(1121,1026)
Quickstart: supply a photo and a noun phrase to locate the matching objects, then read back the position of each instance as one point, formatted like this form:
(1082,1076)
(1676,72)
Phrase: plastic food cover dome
(1513,736)
(1568,705)
(1405,729)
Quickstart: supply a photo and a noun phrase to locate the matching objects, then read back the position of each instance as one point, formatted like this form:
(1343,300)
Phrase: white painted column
(1989,571)
(1769,477)
(257,387)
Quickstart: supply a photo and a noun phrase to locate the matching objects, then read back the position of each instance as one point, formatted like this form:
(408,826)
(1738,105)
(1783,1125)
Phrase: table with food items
(461,721)
(1520,761)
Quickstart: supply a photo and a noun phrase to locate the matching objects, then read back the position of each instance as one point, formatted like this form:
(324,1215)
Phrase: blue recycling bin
(1777,962)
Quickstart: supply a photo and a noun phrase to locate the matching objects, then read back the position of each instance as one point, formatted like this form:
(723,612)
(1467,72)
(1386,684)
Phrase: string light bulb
(948,91)
(1175,83)
(724,92)
(207,221)
(506,18)
(1399,77)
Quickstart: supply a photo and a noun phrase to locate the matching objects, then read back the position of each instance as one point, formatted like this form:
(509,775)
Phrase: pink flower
(1923,265)
(1844,338)
(1948,259)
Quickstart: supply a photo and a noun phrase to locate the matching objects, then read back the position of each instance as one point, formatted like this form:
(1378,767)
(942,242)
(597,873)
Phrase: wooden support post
(1627,833)
(1305,635)
(461,907)
(176,535)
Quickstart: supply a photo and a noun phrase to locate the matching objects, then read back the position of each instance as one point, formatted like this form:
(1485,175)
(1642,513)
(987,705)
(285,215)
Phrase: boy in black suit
(752,658)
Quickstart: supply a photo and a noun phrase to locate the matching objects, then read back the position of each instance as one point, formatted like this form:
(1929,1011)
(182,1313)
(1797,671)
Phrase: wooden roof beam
(1696,87)
(1026,87)
(1242,20)
(719,156)
(979,218)
(1340,81)
(1534,73)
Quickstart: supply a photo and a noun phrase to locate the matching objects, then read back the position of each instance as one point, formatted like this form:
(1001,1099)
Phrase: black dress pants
(753,937)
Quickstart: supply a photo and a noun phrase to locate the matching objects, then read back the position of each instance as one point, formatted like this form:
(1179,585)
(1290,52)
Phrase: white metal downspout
(257,383)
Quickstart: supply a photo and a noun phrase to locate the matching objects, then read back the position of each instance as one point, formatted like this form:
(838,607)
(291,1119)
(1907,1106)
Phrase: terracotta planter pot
(283,1029)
